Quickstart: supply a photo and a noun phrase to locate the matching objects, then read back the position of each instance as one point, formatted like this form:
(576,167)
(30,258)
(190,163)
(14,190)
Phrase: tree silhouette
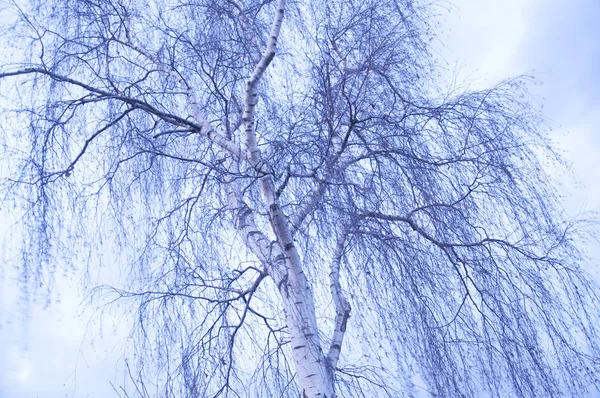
(297,205)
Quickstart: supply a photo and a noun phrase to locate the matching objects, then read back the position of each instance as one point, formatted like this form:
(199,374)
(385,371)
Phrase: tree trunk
(312,366)
(282,262)
(314,372)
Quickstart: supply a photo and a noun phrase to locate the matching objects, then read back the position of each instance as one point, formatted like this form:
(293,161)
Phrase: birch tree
(296,203)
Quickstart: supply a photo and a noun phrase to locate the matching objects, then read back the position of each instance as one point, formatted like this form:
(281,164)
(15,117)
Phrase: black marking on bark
(345,320)
(252,233)
(299,346)
(244,213)
(284,284)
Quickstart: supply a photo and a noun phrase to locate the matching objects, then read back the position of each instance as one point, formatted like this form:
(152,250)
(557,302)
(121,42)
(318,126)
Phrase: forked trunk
(312,366)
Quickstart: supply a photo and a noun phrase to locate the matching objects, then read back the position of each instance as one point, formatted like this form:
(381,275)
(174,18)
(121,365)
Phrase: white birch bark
(281,261)
(314,375)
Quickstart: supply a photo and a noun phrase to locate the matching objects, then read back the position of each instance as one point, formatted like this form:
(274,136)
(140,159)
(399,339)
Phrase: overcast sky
(556,40)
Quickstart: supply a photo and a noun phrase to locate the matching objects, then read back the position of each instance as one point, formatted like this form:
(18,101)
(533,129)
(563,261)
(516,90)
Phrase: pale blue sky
(557,40)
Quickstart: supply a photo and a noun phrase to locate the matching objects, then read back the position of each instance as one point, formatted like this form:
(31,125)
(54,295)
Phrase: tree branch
(201,126)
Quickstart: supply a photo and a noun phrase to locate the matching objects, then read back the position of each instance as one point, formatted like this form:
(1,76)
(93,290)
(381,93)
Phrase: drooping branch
(190,93)
(71,166)
(409,220)
(201,126)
